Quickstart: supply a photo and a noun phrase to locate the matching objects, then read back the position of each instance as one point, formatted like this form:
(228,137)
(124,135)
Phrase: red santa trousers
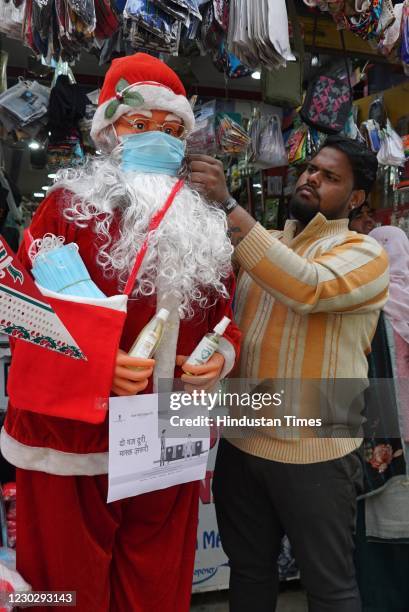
(133,555)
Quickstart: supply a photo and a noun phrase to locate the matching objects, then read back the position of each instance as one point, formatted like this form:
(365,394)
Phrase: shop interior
(249,102)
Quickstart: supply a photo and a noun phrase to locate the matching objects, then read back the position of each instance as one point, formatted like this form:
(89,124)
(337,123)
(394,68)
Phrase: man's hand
(201,377)
(129,381)
(207,177)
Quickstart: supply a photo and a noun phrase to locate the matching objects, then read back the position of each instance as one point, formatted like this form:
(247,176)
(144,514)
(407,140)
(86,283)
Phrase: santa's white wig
(189,255)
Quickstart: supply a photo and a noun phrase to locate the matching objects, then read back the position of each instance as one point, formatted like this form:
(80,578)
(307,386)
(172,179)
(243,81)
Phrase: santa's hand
(207,177)
(129,381)
(201,376)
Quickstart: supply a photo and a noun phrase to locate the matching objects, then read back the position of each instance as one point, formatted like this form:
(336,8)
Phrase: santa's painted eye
(173,129)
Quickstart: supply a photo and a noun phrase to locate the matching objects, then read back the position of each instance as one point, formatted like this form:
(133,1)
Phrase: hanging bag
(404,48)
(267,149)
(365,23)
(52,384)
(285,86)
(391,152)
(329,98)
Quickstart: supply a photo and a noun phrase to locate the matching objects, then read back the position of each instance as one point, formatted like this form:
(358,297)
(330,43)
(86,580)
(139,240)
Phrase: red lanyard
(153,225)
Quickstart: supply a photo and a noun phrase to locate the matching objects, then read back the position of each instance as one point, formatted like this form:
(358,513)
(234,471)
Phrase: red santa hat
(139,82)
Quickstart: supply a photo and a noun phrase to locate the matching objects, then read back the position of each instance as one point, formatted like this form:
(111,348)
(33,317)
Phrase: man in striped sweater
(308,302)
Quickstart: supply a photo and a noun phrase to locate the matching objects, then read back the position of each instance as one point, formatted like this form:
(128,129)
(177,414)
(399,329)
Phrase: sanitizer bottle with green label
(208,344)
(149,339)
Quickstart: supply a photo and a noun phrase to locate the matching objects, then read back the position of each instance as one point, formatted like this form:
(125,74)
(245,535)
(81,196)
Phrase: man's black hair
(363,162)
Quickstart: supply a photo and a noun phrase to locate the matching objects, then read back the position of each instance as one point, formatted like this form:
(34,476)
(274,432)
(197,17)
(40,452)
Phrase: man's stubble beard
(303,211)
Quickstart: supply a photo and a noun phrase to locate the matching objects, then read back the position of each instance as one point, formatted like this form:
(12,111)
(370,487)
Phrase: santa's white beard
(189,255)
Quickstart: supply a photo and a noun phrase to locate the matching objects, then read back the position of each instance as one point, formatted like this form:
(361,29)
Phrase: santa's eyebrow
(142,113)
(172,117)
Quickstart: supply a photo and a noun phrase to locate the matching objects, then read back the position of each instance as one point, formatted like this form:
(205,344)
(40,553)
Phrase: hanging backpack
(329,99)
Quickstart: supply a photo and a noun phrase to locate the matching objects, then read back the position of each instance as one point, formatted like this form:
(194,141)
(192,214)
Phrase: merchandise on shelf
(404,50)
(258,33)
(24,106)
(63,28)
(391,151)
(9,497)
(377,21)
(232,139)
(11,19)
(267,144)
(203,138)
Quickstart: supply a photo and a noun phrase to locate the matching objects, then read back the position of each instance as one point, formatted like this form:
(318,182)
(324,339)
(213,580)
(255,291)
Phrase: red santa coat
(66,447)
(135,554)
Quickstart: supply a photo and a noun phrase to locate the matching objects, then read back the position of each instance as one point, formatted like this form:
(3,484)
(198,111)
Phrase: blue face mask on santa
(152,152)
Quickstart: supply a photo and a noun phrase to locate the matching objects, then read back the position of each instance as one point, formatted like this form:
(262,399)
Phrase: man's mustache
(307,187)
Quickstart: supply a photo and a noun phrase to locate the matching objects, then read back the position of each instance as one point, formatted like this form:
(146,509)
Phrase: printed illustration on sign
(143,455)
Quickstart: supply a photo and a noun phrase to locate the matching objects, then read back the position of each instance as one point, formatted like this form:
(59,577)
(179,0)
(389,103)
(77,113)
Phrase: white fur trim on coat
(155,97)
(51,461)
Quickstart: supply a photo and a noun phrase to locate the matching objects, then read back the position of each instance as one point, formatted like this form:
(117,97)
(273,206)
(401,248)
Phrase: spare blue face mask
(152,152)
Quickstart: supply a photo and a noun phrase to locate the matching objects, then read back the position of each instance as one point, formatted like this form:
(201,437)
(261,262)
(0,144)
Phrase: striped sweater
(307,306)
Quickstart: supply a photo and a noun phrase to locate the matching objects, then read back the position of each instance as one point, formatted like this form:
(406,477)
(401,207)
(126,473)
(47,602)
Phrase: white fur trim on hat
(155,96)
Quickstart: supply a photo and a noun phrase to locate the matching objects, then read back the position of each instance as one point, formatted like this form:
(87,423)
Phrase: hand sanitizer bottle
(208,344)
(149,338)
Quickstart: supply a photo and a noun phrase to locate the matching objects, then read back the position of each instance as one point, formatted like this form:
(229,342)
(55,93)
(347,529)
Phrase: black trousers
(258,500)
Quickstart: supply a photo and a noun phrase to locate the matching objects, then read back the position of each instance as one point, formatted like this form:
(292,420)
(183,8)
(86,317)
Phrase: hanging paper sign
(25,315)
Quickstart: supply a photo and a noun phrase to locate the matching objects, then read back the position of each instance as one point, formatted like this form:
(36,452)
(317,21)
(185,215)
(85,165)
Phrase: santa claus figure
(136,554)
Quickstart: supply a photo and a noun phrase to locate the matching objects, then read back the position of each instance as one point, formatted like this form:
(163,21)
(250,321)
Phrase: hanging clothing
(396,244)
(10,214)
(382,571)
(67,106)
(383,449)
(382,542)
(402,367)
(12,197)
(382,554)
